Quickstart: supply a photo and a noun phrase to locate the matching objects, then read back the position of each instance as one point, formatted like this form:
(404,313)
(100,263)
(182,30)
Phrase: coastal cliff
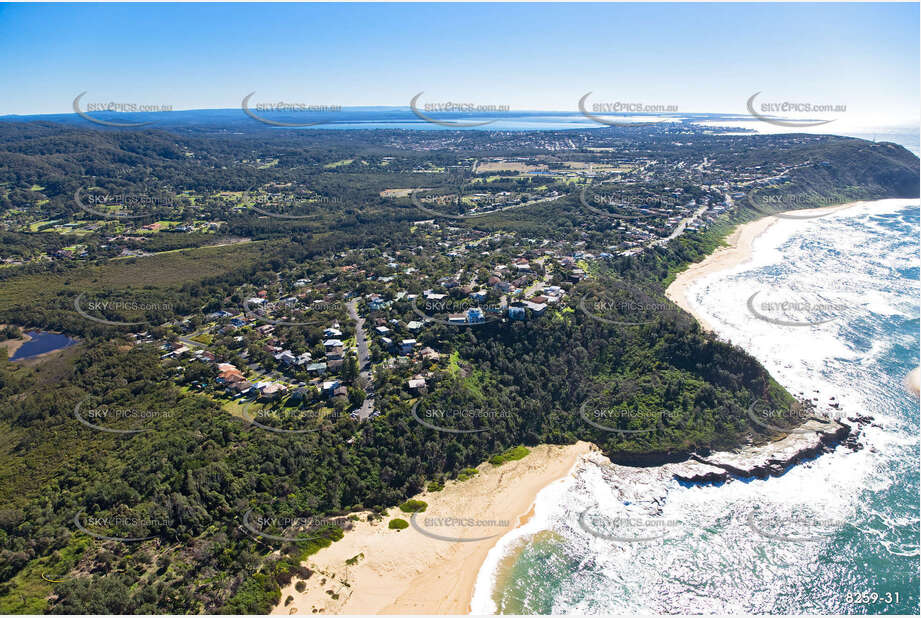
(812,438)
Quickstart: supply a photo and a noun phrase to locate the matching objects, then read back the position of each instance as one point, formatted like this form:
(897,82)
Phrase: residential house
(537,308)
(429,353)
(475,315)
(228,374)
(299,395)
(240,388)
(316,368)
(286,356)
(377,302)
(271,391)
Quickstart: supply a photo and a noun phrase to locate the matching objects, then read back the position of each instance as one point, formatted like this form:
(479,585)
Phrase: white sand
(737,251)
(407,572)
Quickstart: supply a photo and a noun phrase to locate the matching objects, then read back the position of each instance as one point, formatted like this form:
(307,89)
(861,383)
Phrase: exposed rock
(815,436)
(648,459)
(692,471)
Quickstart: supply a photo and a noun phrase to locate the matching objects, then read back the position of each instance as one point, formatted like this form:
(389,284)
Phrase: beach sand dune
(411,571)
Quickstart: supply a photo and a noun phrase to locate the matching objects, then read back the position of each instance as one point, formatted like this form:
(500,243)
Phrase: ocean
(837,534)
(402,118)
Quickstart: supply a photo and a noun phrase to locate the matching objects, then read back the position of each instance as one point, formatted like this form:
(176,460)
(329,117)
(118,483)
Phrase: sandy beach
(737,251)
(12,345)
(413,571)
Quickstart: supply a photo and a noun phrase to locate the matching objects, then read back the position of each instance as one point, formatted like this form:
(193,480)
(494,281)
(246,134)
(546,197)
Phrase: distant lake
(40,343)
(403,118)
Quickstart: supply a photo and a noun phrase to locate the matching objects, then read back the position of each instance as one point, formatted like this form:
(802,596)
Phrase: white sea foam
(716,562)
(551,495)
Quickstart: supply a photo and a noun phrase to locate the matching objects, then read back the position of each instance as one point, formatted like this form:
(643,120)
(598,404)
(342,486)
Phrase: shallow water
(827,531)
(40,343)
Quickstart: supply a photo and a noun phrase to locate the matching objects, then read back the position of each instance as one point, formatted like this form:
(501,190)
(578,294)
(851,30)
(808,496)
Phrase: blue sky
(529,56)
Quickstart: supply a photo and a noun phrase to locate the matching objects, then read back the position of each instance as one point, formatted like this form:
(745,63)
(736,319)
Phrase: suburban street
(364,364)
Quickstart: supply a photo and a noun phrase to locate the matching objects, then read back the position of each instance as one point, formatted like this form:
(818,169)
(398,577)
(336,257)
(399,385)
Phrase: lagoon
(41,342)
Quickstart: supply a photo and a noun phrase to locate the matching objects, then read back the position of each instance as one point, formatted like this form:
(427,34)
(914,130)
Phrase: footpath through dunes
(431,566)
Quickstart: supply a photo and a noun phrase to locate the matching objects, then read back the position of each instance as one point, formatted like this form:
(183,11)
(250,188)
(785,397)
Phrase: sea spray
(824,537)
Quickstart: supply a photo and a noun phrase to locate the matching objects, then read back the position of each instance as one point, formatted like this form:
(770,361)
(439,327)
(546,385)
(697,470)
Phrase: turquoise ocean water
(838,534)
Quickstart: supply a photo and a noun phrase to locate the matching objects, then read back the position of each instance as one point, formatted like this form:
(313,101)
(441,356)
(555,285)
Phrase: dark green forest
(188,481)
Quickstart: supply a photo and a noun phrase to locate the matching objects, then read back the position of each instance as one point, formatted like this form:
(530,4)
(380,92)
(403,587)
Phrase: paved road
(682,226)
(253,368)
(364,362)
(192,344)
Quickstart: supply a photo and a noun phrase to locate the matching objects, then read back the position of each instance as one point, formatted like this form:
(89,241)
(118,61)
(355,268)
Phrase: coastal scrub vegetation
(414,506)
(189,482)
(512,454)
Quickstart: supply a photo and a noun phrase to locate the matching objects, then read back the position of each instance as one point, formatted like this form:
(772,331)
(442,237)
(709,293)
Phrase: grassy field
(31,587)
(339,163)
(166,269)
(484,167)
(33,227)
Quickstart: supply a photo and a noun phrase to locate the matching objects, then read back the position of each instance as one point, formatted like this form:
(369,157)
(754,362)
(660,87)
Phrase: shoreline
(737,251)
(428,576)
(13,345)
(412,571)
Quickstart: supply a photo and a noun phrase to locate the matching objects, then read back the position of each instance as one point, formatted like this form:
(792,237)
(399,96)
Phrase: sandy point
(430,567)
(12,345)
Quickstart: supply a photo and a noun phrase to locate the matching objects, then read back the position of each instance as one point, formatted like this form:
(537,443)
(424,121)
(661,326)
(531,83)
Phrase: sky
(697,57)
